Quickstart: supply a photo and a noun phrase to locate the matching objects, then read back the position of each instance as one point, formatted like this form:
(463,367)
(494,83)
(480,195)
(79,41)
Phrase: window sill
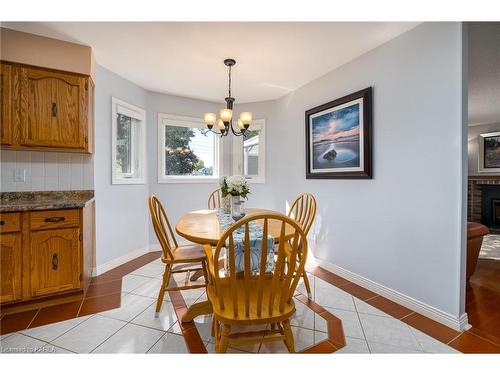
(128,181)
(188,180)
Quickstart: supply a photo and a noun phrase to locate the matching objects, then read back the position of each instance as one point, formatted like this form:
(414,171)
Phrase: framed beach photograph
(489,152)
(339,138)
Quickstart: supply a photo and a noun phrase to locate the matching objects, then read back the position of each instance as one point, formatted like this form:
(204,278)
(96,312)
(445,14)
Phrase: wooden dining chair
(177,259)
(215,200)
(303,211)
(255,298)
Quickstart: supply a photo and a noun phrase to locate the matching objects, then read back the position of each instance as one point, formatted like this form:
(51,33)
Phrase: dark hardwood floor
(483,300)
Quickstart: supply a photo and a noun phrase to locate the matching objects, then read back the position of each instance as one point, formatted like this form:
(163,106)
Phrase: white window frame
(188,122)
(260,178)
(119,106)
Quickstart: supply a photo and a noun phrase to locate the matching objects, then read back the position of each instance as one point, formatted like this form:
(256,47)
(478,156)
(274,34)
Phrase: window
(186,151)
(128,143)
(250,152)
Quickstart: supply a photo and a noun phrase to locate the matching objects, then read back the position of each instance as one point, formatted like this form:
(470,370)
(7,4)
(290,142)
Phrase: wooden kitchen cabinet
(10,267)
(10,257)
(47,256)
(6,94)
(53,109)
(55,261)
(49,110)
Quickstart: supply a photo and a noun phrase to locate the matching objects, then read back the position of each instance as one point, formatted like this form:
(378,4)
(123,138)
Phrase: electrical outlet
(20,175)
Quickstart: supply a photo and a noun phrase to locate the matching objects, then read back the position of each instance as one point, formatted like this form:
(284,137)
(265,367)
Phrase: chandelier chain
(229,81)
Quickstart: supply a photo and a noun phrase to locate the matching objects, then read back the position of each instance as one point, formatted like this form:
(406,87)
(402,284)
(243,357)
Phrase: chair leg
(224,339)
(164,285)
(307,285)
(205,271)
(288,336)
(213,327)
(216,334)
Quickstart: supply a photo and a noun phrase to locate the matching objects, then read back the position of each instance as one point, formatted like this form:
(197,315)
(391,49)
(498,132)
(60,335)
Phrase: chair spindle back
(271,289)
(303,211)
(215,200)
(160,225)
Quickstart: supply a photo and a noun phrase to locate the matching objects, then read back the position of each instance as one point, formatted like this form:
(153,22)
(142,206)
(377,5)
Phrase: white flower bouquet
(236,186)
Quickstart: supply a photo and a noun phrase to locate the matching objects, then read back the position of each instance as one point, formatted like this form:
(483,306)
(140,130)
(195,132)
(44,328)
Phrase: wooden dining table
(203,227)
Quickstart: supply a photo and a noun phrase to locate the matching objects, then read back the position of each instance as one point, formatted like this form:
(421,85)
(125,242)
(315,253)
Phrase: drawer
(10,222)
(54,219)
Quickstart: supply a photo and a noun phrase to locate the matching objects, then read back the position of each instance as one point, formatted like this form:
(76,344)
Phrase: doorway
(483,198)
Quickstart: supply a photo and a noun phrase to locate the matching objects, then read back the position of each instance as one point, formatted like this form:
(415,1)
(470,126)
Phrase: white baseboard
(105,267)
(458,324)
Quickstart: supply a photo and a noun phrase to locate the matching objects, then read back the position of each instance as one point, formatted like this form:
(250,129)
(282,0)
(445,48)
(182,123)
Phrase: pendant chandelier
(225,121)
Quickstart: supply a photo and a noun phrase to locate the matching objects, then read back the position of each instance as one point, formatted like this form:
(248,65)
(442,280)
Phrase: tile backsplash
(39,171)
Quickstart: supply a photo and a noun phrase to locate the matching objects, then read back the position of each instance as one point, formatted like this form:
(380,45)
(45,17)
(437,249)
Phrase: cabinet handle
(54,219)
(2,222)
(55,261)
(54,109)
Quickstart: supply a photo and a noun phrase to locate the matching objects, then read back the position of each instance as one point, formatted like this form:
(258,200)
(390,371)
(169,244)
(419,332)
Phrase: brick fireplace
(483,201)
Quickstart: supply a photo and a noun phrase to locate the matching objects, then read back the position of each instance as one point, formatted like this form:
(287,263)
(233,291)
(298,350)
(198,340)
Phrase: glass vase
(236,208)
(226,204)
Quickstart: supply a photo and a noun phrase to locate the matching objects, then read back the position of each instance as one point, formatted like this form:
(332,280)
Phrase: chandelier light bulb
(246,117)
(240,124)
(221,125)
(226,114)
(210,119)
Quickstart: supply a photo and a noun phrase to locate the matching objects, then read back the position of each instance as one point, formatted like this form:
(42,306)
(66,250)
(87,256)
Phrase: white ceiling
(484,73)
(185,59)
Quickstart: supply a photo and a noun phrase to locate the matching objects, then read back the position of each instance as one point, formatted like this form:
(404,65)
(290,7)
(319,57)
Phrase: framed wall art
(489,153)
(339,138)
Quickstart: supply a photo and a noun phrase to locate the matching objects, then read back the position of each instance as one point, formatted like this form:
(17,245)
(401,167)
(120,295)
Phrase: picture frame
(489,152)
(339,138)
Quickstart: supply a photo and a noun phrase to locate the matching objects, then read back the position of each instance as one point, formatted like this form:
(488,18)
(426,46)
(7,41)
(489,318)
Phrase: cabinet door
(53,109)
(10,267)
(6,103)
(55,261)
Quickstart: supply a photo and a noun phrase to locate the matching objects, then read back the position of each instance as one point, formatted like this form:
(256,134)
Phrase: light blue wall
(122,221)
(403,228)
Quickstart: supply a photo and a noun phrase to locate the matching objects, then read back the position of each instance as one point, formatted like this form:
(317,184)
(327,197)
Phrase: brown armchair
(475,234)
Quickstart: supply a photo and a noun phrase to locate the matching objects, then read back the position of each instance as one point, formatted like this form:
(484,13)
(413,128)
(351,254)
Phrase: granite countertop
(44,200)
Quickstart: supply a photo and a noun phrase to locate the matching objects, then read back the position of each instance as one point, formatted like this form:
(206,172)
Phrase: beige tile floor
(132,328)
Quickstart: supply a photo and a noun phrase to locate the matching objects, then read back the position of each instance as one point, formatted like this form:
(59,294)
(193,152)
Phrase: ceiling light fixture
(225,122)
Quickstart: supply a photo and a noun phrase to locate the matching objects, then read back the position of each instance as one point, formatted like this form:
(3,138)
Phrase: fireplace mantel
(485,180)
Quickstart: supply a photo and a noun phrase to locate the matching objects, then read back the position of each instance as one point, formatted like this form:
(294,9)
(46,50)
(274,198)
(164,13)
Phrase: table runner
(256,232)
